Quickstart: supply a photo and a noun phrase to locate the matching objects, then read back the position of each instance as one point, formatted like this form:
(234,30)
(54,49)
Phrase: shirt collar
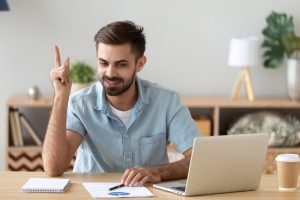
(102,104)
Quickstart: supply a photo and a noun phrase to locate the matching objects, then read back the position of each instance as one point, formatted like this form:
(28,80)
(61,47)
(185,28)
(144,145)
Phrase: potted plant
(82,75)
(280,43)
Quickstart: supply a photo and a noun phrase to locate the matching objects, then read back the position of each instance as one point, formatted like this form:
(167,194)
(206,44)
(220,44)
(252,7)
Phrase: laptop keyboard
(180,188)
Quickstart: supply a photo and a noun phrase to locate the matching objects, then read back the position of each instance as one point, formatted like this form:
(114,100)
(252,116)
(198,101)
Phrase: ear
(140,63)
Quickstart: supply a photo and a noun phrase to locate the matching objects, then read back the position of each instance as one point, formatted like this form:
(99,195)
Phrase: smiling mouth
(112,84)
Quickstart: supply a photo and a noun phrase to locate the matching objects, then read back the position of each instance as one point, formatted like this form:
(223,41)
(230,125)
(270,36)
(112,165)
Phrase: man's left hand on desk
(137,176)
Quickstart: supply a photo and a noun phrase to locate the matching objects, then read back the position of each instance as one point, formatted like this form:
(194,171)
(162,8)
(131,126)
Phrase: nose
(110,71)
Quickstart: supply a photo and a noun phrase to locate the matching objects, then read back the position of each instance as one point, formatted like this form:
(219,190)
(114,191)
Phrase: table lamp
(244,53)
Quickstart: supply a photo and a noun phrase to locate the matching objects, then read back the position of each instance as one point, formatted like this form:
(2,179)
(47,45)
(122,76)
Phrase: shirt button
(126,136)
(127,159)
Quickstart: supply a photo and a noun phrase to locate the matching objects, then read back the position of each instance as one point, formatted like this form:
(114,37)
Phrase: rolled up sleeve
(182,128)
(73,121)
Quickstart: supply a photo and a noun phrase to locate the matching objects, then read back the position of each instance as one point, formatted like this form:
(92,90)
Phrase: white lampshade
(244,52)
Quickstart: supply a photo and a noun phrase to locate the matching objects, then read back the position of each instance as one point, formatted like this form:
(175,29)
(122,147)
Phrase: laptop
(221,164)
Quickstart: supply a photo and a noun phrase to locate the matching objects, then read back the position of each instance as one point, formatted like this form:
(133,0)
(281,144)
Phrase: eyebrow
(118,61)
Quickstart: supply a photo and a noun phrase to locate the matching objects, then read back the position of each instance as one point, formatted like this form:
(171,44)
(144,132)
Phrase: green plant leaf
(291,42)
(82,72)
(278,25)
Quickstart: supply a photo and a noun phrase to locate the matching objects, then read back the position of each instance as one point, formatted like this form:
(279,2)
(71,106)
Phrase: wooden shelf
(223,111)
(24,148)
(226,102)
(219,105)
(284,149)
(24,101)
(219,109)
(27,157)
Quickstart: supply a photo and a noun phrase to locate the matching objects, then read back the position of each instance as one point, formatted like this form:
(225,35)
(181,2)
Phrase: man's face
(117,68)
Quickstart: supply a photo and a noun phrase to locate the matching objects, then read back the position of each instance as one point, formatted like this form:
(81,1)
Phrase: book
(30,130)
(46,185)
(18,128)
(13,129)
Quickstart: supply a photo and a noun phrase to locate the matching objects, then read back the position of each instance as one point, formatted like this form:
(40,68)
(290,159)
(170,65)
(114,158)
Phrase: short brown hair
(122,32)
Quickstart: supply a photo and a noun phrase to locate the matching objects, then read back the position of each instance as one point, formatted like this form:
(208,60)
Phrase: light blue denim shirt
(157,118)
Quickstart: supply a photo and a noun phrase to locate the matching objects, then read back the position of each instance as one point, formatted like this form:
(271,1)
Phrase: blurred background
(187,42)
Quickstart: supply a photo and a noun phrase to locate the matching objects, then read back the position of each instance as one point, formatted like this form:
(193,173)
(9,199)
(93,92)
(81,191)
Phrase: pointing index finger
(56,56)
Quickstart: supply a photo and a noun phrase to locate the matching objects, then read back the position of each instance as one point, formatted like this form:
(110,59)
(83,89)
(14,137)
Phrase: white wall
(187,42)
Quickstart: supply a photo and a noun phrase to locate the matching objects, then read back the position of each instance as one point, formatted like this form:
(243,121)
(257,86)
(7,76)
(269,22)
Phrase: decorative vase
(34,93)
(78,86)
(293,79)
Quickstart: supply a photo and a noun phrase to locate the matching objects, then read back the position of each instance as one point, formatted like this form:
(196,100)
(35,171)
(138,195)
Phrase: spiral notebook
(46,185)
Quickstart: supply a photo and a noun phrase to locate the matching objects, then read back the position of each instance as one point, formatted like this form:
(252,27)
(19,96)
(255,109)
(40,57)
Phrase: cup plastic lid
(288,158)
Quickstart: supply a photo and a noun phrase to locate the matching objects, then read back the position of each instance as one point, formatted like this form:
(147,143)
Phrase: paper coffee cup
(287,170)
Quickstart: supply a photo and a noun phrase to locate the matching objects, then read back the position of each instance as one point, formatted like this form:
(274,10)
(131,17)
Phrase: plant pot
(293,79)
(78,86)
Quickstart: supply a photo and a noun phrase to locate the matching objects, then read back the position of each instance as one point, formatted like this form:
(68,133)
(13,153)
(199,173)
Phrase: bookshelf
(33,116)
(218,113)
(223,111)
(27,155)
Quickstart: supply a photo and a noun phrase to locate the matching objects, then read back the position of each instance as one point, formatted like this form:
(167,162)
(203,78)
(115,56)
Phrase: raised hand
(61,76)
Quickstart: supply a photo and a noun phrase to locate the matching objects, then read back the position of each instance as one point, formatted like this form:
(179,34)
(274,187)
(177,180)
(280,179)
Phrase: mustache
(114,78)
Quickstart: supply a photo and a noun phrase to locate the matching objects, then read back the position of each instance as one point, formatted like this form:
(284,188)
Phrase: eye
(122,64)
(102,63)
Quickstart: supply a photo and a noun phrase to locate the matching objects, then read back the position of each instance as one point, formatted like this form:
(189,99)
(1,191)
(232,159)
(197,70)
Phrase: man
(122,123)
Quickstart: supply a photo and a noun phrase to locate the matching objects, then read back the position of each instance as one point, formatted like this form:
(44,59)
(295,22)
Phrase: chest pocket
(152,150)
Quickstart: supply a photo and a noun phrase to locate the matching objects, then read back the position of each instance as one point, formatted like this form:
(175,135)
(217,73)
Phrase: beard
(115,91)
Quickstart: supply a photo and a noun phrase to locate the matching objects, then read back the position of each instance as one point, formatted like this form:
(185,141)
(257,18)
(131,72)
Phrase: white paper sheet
(100,190)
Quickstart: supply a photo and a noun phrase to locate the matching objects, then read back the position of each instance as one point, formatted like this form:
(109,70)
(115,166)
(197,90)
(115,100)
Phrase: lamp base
(243,76)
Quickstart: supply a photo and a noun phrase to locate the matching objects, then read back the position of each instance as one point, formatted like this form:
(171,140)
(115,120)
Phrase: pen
(116,187)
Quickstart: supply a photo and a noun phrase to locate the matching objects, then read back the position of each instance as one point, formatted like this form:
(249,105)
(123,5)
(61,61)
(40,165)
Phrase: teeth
(112,83)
